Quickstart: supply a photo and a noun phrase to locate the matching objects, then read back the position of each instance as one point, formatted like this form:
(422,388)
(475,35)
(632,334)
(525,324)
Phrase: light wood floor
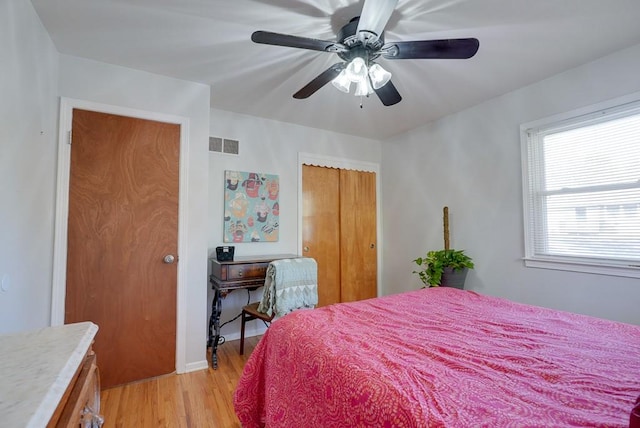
(199,399)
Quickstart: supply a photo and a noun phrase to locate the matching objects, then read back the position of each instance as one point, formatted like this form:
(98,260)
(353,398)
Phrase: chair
(290,284)
(250,312)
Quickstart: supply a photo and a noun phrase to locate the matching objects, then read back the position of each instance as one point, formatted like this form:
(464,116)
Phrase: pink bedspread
(440,357)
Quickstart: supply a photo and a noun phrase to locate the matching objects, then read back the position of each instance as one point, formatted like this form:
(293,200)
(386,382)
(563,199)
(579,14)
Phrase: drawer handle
(240,273)
(91,419)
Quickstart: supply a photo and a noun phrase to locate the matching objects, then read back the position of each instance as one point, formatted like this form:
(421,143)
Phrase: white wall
(28,147)
(270,147)
(118,86)
(470,161)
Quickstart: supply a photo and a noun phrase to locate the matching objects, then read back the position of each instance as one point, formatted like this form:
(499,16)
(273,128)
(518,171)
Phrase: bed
(440,357)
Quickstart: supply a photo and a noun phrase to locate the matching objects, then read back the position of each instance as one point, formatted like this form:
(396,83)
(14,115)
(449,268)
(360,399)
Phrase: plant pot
(453,278)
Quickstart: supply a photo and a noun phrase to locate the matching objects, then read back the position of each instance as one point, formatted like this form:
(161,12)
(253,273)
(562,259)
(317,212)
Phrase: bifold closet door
(358,244)
(339,231)
(321,228)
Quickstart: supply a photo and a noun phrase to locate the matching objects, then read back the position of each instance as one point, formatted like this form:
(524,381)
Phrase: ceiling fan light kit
(359,44)
(367,79)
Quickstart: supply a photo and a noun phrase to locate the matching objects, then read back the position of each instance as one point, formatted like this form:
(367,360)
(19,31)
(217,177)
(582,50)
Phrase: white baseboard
(247,333)
(198,365)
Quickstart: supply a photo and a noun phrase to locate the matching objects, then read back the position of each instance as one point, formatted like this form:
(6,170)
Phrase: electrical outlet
(4,284)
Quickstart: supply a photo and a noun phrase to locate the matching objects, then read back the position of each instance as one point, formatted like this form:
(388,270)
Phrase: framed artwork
(251,207)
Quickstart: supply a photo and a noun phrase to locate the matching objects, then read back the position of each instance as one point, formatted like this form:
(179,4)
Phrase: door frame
(314,159)
(62,211)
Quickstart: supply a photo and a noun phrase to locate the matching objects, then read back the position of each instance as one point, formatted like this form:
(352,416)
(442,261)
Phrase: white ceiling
(208,41)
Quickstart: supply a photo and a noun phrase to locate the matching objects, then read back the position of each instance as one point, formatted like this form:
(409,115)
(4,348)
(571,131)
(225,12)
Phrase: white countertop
(36,368)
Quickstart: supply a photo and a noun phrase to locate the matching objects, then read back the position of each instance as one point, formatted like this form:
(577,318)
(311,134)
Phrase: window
(581,175)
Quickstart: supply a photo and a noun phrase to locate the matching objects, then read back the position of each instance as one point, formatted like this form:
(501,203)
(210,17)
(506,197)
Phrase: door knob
(169,259)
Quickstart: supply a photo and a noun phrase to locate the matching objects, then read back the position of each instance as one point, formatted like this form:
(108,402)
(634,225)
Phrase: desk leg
(214,322)
(211,318)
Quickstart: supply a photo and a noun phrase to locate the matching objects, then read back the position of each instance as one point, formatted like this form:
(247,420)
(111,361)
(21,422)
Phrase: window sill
(628,271)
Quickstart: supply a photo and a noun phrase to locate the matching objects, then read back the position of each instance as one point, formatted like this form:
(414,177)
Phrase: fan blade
(323,78)
(268,38)
(427,49)
(374,17)
(388,94)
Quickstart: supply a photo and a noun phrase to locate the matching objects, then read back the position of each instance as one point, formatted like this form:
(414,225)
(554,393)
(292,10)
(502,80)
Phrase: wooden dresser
(50,378)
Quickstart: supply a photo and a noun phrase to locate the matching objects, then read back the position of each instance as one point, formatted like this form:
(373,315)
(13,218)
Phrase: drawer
(80,405)
(247,271)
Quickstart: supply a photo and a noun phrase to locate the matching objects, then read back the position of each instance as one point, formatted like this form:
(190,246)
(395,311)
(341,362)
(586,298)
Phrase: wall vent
(215,144)
(231,146)
(224,145)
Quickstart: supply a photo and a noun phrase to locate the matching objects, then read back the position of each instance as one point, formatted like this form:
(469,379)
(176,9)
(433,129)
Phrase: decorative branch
(445,218)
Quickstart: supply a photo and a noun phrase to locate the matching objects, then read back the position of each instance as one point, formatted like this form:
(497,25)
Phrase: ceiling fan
(359,44)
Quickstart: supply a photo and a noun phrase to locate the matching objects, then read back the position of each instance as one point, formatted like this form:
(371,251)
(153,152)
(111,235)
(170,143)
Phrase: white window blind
(582,189)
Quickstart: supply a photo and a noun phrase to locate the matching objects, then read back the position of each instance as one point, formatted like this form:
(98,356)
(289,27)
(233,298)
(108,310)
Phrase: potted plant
(446,268)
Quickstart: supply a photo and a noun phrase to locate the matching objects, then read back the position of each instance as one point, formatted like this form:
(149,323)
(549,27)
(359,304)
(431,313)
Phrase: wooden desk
(242,273)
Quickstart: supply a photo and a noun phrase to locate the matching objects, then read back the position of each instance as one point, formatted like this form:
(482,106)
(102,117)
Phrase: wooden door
(339,230)
(123,220)
(321,228)
(358,243)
